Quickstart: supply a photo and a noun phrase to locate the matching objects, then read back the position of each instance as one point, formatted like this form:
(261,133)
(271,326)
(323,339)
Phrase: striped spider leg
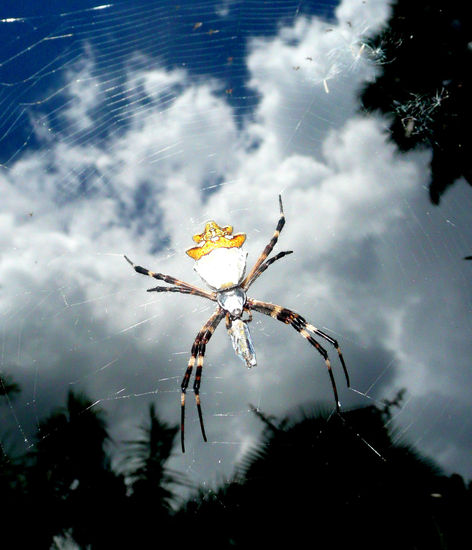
(256,271)
(260,270)
(179,286)
(197,354)
(301,326)
(198,348)
(285,315)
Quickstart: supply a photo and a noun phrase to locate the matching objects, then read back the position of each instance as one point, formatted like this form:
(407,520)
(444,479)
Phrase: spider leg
(308,326)
(197,354)
(333,342)
(180,289)
(268,249)
(173,281)
(301,326)
(249,313)
(260,270)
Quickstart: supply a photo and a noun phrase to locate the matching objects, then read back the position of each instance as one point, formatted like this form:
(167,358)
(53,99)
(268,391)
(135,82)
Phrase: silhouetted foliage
(145,460)
(150,481)
(328,481)
(320,479)
(71,484)
(426,84)
(13,496)
(7,386)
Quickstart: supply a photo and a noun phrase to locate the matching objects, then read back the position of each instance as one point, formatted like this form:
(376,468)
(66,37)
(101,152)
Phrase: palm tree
(149,481)
(72,486)
(12,479)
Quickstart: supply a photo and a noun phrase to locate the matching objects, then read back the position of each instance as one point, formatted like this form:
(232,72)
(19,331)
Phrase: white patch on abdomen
(222,267)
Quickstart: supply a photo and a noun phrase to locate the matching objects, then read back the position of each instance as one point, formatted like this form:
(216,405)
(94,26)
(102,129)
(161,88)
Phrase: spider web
(125,126)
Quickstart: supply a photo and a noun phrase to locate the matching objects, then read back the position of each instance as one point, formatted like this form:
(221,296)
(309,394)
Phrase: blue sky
(125,128)
(41,37)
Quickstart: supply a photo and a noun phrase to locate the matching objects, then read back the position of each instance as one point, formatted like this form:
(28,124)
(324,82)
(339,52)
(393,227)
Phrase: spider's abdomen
(222,267)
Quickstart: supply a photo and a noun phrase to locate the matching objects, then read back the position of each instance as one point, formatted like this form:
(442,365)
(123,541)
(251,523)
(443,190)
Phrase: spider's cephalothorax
(220,261)
(232,301)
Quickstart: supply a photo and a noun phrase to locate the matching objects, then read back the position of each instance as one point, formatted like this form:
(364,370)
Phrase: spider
(221,263)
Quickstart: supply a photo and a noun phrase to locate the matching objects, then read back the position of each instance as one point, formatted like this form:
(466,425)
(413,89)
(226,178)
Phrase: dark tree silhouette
(71,485)
(320,480)
(8,386)
(328,482)
(150,482)
(13,498)
(66,485)
(13,492)
(426,84)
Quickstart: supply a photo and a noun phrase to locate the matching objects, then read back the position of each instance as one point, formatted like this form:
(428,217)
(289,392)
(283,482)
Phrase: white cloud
(84,91)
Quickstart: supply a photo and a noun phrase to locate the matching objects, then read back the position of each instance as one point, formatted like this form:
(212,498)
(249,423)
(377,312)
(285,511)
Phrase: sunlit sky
(125,128)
